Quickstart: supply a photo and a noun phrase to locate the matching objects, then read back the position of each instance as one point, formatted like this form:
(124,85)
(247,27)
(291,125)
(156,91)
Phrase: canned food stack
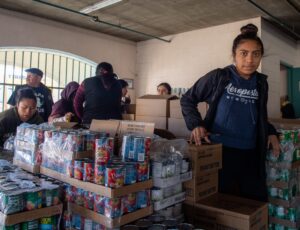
(113,172)
(283,182)
(168,167)
(44,223)
(21,192)
(109,207)
(61,147)
(27,143)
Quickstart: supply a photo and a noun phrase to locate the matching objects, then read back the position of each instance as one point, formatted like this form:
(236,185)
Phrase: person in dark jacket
(42,92)
(125,98)
(101,94)
(63,109)
(237,117)
(287,109)
(24,111)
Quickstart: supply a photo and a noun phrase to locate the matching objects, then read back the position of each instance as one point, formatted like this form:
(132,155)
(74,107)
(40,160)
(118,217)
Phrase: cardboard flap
(110,126)
(64,125)
(135,127)
(165,97)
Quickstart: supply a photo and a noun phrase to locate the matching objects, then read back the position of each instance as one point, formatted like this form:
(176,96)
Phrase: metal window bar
(59,69)
(14,65)
(66,75)
(22,68)
(52,71)
(4,72)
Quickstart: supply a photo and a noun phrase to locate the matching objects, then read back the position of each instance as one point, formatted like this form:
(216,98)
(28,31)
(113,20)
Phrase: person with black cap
(42,92)
(101,96)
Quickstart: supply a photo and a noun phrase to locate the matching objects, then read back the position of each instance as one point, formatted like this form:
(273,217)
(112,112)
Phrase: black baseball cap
(35,71)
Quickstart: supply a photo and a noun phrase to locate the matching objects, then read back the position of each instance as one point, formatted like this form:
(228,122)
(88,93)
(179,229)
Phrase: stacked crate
(283,183)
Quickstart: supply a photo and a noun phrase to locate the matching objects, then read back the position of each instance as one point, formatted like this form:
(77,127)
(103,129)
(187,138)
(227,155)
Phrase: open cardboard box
(154,105)
(20,217)
(230,212)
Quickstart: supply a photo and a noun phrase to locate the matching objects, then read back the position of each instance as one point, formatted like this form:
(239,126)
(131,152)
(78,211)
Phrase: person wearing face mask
(24,111)
(101,96)
(237,117)
(42,92)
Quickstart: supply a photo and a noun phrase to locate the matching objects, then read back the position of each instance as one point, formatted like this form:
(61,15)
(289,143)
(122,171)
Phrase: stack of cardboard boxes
(207,209)
(154,108)
(176,123)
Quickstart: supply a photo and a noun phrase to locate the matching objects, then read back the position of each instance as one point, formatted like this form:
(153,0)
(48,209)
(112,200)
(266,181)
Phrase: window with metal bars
(59,69)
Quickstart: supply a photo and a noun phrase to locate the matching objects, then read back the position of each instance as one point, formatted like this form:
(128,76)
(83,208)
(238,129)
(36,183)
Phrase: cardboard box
(128,116)
(178,127)
(201,187)
(131,108)
(170,181)
(98,189)
(205,159)
(108,222)
(154,105)
(176,112)
(160,122)
(230,212)
(30,215)
(158,205)
(28,167)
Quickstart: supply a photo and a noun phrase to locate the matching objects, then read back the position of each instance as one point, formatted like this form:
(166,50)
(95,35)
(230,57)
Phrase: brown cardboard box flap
(108,222)
(159,122)
(121,127)
(110,126)
(231,205)
(163,97)
(30,215)
(65,125)
(135,127)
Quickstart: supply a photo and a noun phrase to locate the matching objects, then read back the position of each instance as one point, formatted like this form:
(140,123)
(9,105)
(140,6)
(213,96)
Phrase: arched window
(59,68)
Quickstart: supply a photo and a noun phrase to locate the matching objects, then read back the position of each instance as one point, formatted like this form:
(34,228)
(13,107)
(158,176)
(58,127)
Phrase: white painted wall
(25,30)
(189,56)
(278,48)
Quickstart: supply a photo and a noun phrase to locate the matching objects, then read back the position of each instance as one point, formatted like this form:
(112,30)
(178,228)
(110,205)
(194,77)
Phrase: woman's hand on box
(199,133)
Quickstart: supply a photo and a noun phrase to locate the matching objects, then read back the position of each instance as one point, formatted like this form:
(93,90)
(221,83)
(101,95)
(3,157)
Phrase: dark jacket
(209,89)
(65,104)
(101,102)
(10,120)
(43,96)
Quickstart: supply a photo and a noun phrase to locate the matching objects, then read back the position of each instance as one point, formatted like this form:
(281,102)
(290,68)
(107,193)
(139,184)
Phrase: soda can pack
(135,148)
(114,176)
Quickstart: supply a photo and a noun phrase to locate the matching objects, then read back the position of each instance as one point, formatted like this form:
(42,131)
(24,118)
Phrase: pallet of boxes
(28,201)
(283,179)
(206,208)
(176,123)
(103,191)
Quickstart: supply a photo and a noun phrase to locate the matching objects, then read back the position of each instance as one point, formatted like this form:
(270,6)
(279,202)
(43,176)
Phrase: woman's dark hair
(248,32)
(167,86)
(25,93)
(123,83)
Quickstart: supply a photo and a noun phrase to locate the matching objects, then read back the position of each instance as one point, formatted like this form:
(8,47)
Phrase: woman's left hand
(274,143)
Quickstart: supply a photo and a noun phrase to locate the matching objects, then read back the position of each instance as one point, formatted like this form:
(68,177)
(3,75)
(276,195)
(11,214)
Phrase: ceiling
(160,18)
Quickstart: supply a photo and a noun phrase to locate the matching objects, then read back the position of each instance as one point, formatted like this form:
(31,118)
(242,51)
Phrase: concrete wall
(278,48)
(189,56)
(25,30)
